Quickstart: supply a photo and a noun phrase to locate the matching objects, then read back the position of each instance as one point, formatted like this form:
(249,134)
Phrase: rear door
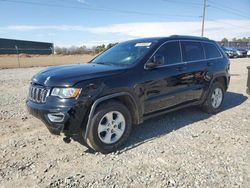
(194,56)
(214,58)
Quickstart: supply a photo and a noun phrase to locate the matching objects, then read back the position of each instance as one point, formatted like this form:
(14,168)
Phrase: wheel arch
(222,79)
(123,97)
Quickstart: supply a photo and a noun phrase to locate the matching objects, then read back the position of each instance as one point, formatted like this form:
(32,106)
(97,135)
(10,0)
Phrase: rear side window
(192,51)
(211,51)
(171,52)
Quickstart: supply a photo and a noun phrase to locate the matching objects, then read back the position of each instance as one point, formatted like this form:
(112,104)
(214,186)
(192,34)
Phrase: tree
(71,50)
(83,49)
(100,48)
(224,40)
(58,50)
(110,45)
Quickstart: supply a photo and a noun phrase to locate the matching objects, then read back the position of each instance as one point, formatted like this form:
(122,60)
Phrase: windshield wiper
(104,63)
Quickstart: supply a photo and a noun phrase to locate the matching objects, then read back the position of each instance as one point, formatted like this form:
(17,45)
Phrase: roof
(16,40)
(177,37)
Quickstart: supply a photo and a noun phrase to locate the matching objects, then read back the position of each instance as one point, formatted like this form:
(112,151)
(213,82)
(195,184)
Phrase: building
(233,44)
(12,46)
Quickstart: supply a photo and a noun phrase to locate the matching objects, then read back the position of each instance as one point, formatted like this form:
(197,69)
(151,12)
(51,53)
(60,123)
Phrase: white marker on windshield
(143,44)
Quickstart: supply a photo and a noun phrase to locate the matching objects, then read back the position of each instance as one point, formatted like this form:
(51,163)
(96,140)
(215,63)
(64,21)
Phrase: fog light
(56,117)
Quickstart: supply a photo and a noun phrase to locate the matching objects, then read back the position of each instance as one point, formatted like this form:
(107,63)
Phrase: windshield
(126,53)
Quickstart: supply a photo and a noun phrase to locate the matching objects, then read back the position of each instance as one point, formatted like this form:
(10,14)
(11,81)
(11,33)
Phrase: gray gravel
(186,148)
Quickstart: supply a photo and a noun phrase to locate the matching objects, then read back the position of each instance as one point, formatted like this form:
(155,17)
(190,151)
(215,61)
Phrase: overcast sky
(93,22)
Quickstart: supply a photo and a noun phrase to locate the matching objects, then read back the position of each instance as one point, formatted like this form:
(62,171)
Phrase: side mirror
(155,61)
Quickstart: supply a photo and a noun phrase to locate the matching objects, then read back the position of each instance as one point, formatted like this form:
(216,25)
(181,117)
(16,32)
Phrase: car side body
(179,81)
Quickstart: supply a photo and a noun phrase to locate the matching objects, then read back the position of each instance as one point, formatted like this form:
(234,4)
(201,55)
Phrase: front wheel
(214,100)
(110,127)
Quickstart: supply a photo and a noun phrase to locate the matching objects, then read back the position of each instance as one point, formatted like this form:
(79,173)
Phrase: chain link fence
(24,52)
(33,57)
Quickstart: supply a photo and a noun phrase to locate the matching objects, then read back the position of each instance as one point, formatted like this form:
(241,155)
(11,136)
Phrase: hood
(69,75)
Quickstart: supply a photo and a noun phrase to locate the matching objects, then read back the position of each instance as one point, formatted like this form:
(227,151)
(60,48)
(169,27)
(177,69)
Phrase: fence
(17,50)
(13,46)
(10,54)
(18,59)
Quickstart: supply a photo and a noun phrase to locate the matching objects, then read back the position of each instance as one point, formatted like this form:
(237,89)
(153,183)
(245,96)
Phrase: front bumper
(70,124)
(241,54)
(231,54)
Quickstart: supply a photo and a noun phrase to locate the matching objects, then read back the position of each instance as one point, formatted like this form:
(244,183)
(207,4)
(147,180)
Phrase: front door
(166,85)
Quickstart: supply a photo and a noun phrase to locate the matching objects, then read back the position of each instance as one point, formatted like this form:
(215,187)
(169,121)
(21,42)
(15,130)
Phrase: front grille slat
(32,93)
(35,94)
(38,94)
(44,95)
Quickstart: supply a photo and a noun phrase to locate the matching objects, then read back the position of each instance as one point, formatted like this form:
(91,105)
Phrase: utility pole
(203,17)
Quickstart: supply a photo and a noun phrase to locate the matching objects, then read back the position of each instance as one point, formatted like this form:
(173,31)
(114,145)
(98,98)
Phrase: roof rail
(172,36)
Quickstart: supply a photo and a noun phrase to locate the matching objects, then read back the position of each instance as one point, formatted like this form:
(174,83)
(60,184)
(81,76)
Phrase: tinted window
(211,51)
(171,52)
(192,51)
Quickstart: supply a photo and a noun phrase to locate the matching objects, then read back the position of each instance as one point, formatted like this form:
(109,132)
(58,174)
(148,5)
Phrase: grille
(38,94)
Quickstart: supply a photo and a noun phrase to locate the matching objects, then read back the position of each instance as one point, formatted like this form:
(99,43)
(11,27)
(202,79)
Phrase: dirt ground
(186,148)
(13,61)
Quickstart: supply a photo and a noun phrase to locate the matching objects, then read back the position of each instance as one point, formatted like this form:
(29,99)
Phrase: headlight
(66,93)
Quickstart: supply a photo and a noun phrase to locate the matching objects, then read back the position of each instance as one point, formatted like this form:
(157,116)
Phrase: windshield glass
(126,53)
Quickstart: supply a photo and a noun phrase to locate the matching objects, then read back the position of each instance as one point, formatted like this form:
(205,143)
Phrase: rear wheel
(110,127)
(213,103)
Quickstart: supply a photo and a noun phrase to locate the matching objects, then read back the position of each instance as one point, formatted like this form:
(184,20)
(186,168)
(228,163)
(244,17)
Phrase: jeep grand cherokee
(127,84)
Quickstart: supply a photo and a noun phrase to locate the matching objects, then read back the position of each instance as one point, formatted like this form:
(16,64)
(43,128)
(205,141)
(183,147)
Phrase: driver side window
(171,52)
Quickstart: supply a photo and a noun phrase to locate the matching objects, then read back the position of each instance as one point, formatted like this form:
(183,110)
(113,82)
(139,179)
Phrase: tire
(208,106)
(99,137)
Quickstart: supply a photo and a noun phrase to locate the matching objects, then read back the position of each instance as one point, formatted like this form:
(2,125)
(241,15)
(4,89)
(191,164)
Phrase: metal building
(232,44)
(12,46)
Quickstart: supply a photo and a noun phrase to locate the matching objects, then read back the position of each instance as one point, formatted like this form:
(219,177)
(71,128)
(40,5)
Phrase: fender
(98,101)
(220,74)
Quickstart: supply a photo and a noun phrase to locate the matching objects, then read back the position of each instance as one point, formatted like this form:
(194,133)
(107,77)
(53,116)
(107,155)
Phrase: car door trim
(186,62)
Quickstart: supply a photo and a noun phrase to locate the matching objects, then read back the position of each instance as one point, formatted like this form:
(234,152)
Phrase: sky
(93,22)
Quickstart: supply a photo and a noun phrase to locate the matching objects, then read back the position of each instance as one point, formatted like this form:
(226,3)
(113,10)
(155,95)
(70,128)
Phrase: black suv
(127,84)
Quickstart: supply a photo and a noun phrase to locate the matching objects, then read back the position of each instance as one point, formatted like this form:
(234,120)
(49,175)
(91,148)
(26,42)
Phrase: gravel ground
(186,148)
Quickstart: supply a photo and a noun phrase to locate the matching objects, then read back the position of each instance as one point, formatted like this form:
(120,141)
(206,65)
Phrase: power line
(212,5)
(228,11)
(98,9)
(184,2)
(227,7)
(227,23)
